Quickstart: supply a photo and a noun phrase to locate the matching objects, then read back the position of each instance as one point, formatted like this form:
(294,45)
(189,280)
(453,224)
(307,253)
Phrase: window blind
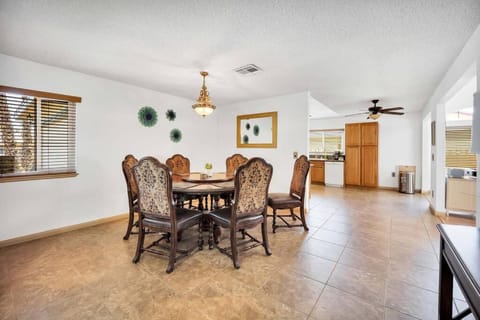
(37,133)
(457,148)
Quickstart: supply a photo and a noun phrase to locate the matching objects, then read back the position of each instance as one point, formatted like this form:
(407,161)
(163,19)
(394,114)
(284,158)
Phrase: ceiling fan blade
(356,114)
(391,109)
(392,112)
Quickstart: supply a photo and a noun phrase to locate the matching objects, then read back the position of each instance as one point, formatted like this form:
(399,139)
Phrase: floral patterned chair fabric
(294,199)
(249,208)
(157,210)
(231,164)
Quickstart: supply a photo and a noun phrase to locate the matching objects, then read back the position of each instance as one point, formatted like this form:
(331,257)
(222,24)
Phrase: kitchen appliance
(334,173)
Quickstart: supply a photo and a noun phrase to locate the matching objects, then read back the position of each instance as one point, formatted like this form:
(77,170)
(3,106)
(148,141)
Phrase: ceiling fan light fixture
(374,116)
(204,106)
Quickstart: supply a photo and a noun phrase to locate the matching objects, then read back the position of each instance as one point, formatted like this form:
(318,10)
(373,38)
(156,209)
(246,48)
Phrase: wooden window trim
(40,94)
(39,176)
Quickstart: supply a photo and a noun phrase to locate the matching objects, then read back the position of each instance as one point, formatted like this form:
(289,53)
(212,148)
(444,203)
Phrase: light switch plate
(295,154)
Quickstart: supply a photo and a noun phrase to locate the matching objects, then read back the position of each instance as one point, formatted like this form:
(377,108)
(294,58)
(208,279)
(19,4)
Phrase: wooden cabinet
(317,171)
(352,171)
(369,135)
(461,194)
(369,166)
(352,134)
(361,154)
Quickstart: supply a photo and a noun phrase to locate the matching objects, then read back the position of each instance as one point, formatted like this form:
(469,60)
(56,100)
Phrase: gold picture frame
(258,130)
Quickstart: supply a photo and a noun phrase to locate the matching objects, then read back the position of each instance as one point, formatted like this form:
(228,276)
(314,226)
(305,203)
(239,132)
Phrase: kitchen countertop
(464,178)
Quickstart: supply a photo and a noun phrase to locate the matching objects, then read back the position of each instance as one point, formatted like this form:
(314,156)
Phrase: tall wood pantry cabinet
(361,154)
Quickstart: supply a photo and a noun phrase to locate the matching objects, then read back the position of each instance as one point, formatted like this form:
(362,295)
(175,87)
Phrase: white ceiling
(345,52)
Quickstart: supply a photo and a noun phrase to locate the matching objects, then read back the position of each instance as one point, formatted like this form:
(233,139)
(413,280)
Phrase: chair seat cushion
(223,216)
(185,219)
(283,201)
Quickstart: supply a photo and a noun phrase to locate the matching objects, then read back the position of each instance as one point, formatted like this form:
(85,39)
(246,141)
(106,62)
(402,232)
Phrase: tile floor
(368,255)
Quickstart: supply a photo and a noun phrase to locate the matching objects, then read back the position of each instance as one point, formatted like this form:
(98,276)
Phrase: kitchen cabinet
(352,165)
(461,194)
(352,134)
(361,154)
(317,171)
(369,166)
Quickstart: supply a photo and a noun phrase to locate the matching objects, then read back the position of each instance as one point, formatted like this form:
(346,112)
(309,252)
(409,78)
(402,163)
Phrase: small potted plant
(208,168)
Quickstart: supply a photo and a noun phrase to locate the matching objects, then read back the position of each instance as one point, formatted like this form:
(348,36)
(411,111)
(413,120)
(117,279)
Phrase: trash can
(406,183)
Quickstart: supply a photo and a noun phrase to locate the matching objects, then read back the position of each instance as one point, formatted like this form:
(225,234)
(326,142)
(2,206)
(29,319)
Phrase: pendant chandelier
(204,105)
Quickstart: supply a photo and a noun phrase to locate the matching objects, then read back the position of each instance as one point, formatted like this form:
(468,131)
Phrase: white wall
(465,66)
(399,143)
(292,133)
(108,129)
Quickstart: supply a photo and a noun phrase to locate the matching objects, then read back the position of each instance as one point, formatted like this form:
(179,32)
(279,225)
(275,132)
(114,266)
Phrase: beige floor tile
(418,276)
(357,239)
(364,261)
(313,267)
(335,304)
(411,300)
(331,236)
(395,315)
(322,249)
(369,286)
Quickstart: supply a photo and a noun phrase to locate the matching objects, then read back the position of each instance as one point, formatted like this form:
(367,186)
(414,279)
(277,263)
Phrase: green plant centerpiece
(208,167)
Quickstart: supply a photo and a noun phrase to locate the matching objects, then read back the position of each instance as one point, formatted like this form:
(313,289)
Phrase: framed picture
(258,130)
(432,132)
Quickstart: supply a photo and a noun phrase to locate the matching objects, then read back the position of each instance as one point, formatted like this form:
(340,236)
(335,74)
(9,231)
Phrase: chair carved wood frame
(180,166)
(249,209)
(132,192)
(157,212)
(294,199)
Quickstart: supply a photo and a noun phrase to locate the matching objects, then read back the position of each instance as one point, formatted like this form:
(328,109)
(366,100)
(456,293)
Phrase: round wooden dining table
(203,186)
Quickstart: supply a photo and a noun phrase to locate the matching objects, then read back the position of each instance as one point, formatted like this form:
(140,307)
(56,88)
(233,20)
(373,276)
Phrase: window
(457,148)
(37,134)
(326,142)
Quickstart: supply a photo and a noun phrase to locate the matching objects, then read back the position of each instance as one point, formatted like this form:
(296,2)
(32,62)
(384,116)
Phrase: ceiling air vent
(248,69)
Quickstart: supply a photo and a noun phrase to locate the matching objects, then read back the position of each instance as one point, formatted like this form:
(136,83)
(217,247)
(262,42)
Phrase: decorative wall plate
(256,130)
(147,116)
(171,115)
(175,135)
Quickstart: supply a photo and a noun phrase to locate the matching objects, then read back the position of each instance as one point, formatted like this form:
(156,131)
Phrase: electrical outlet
(394,174)
(295,154)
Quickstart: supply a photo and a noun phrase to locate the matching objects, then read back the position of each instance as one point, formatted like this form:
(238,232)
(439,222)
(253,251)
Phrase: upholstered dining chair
(180,166)
(157,211)
(294,199)
(132,193)
(231,164)
(248,210)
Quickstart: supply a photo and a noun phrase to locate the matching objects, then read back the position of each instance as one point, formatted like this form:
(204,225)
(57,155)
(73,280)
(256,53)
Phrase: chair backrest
(154,188)
(299,178)
(178,164)
(252,180)
(127,164)
(233,162)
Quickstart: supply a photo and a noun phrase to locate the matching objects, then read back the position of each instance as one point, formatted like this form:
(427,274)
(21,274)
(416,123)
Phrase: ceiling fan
(375,111)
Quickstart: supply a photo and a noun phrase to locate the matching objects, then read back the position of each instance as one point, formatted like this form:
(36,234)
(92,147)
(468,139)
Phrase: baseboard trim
(395,189)
(435,212)
(49,233)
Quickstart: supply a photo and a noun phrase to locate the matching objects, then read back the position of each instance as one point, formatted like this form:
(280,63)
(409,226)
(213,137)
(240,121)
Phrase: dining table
(204,187)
